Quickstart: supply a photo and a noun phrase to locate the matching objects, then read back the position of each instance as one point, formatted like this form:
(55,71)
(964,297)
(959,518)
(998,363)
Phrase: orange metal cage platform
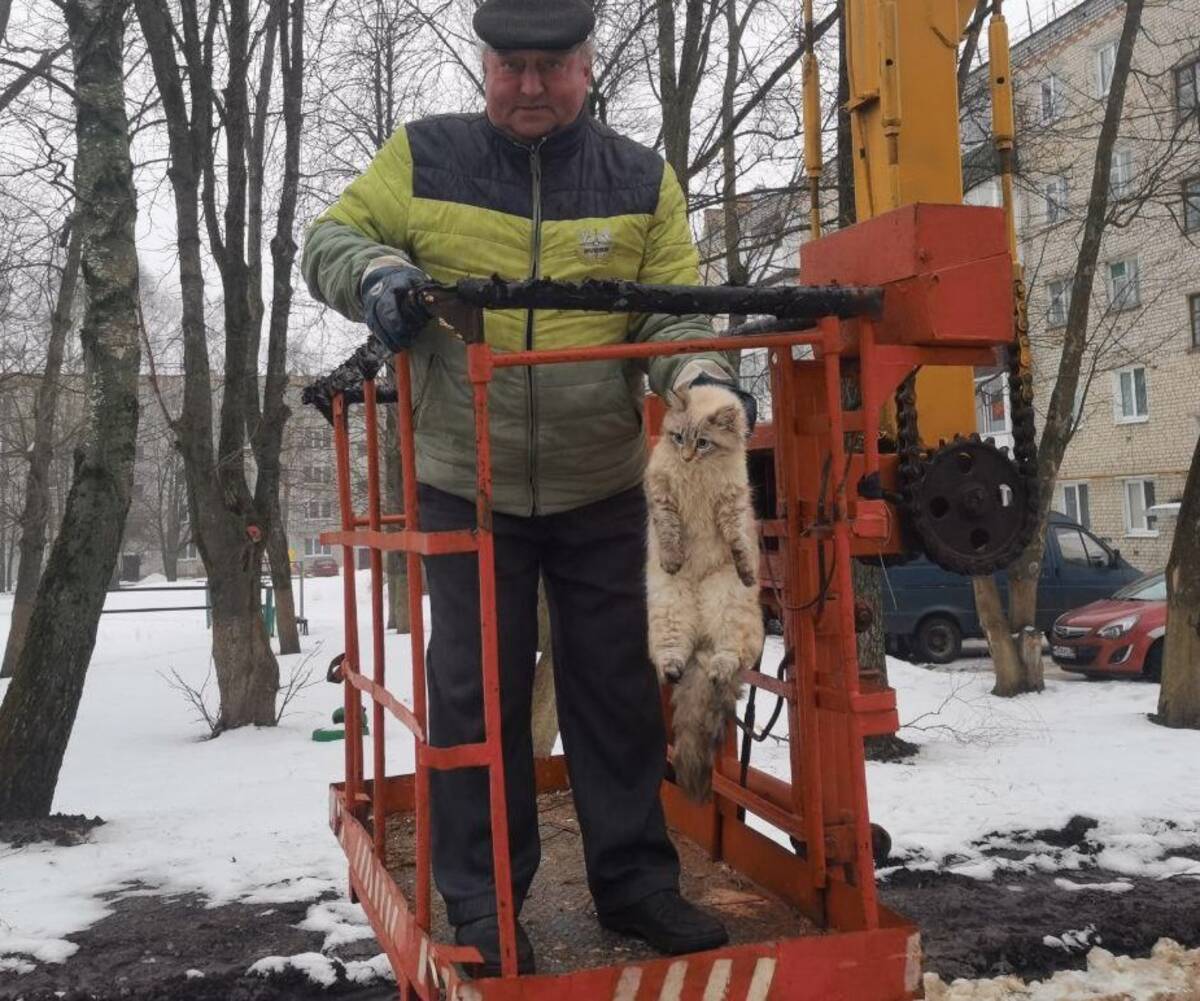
(820,522)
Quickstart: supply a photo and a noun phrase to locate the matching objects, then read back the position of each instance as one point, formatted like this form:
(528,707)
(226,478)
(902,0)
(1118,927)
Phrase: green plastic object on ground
(326,734)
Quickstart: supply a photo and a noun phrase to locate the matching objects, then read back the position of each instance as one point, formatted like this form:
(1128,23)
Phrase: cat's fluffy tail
(703,700)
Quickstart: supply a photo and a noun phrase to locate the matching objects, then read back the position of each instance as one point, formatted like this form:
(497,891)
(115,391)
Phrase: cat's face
(704,422)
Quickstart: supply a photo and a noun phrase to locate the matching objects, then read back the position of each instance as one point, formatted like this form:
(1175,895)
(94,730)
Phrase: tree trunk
(1179,696)
(36,514)
(970,44)
(246,669)
(396,564)
(735,267)
(872,657)
(1014,642)
(545,709)
(1012,639)
(845,136)
(228,524)
(281,581)
(1022,618)
(43,698)
(1006,662)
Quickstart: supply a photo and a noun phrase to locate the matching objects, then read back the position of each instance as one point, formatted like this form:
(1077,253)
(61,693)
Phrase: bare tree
(1012,636)
(40,706)
(266,422)
(692,136)
(36,512)
(230,521)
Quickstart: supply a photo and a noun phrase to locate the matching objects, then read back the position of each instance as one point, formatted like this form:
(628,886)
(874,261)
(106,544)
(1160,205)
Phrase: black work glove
(749,403)
(392,313)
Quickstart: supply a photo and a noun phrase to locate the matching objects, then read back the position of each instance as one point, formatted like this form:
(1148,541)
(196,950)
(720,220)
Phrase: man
(534,187)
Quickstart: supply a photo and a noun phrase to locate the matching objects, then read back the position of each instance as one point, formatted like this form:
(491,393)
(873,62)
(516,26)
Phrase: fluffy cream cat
(702,572)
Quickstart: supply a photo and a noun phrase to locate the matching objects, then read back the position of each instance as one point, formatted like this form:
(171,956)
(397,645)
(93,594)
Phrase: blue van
(928,611)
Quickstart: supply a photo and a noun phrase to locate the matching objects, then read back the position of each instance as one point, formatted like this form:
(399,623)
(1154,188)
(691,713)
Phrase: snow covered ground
(241,818)
(989,767)
(244,817)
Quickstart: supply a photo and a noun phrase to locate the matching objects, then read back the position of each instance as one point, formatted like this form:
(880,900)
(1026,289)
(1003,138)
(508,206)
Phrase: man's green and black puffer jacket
(456,197)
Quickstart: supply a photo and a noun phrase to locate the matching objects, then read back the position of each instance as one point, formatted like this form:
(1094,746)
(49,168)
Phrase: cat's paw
(670,562)
(748,574)
(670,669)
(722,665)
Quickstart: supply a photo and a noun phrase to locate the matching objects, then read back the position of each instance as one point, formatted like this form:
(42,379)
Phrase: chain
(914,462)
(908,439)
(1020,396)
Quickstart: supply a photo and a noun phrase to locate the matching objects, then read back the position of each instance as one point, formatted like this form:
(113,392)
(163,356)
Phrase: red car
(324,566)
(1121,635)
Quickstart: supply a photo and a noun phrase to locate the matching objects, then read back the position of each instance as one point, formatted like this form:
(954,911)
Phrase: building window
(1059,293)
(991,402)
(1075,503)
(317,474)
(1106,59)
(190,552)
(316,438)
(1194,314)
(1187,88)
(1051,102)
(1054,190)
(987,193)
(1120,175)
(1139,499)
(1191,204)
(320,510)
(1129,396)
(1123,290)
(313,547)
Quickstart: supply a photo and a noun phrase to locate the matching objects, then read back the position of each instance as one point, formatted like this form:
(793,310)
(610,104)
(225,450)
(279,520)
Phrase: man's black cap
(534,24)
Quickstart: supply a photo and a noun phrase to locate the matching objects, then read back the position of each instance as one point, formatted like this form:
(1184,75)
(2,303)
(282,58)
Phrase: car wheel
(1152,668)
(938,640)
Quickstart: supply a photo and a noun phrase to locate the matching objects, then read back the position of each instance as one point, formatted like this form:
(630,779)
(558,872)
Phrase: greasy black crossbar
(790,307)
(785,302)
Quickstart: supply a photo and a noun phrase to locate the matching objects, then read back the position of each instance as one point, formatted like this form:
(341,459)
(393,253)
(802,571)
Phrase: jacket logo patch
(595,245)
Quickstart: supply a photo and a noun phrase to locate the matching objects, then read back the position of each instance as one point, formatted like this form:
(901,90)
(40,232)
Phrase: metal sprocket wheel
(969,507)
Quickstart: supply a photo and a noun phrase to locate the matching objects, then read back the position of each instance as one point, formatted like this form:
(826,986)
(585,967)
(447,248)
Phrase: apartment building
(1138,410)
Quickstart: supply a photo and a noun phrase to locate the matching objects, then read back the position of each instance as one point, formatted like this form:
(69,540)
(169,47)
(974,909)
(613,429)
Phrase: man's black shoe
(484,934)
(669,923)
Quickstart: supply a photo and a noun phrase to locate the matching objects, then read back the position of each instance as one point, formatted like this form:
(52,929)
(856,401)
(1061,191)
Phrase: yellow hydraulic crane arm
(902,63)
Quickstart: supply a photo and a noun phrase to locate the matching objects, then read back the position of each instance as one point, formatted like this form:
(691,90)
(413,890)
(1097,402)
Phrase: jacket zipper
(535,271)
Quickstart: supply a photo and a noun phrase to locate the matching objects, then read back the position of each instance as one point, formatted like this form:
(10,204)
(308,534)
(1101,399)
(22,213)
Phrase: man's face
(530,92)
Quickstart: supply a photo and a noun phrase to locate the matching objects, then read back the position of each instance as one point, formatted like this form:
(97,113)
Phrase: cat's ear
(677,398)
(727,417)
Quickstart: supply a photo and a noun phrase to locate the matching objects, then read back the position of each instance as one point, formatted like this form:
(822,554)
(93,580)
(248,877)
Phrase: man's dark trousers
(592,559)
